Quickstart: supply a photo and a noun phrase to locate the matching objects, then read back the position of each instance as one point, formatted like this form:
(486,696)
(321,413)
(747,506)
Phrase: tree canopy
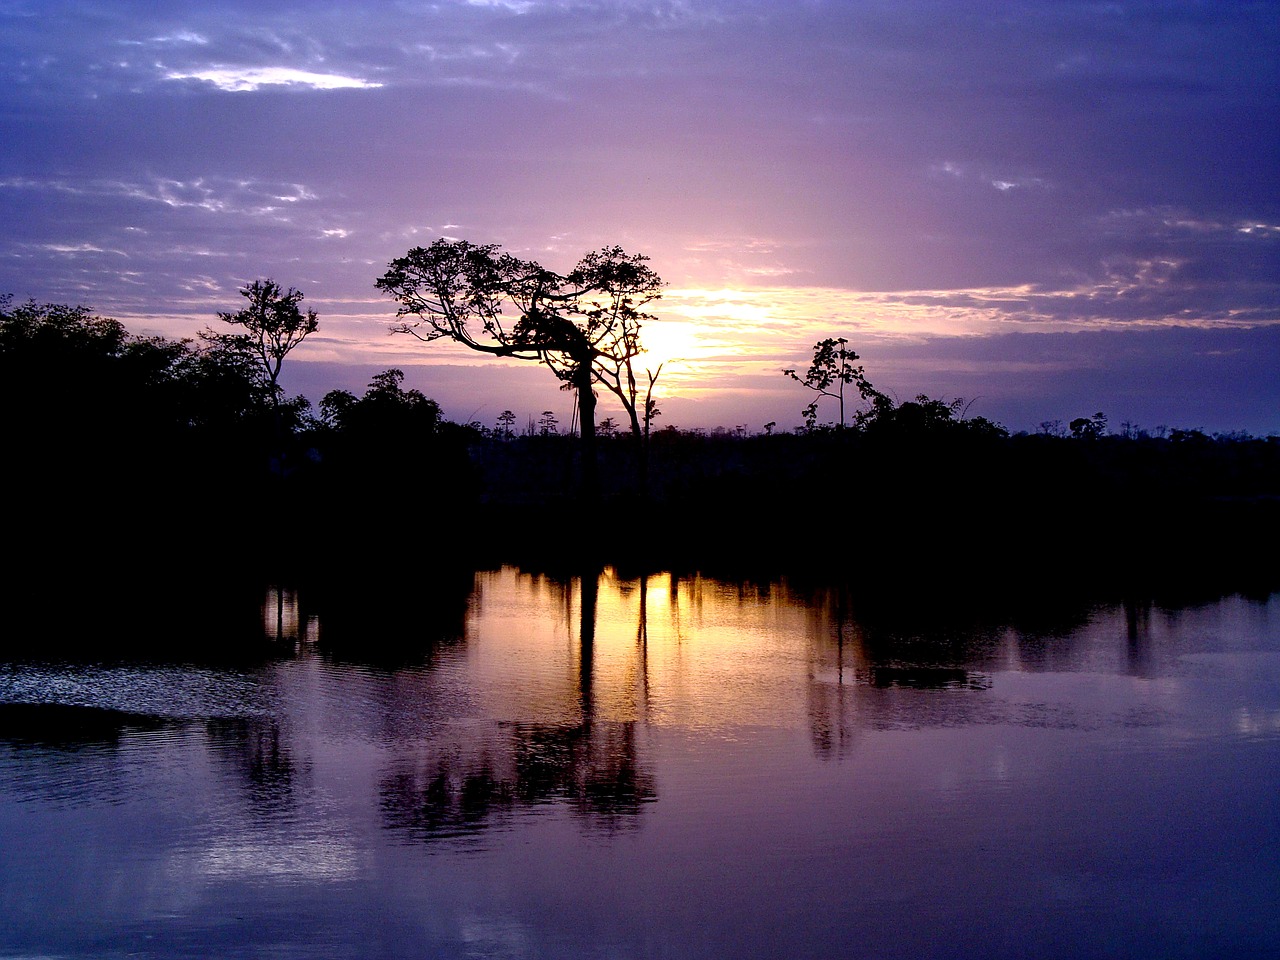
(583,325)
(274,323)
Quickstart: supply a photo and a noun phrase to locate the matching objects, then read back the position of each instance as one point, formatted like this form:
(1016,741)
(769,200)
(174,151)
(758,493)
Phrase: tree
(385,407)
(114,385)
(105,433)
(74,388)
(389,436)
(925,417)
(831,370)
(1089,428)
(274,323)
(226,367)
(583,325)
(506,423)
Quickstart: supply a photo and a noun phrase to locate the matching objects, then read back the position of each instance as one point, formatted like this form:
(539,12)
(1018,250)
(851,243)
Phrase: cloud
(212,194)
(71,249)
(240,79)
(180,37)
(515,6)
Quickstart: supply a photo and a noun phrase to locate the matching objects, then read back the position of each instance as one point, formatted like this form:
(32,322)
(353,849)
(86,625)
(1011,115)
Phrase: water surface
(668,767)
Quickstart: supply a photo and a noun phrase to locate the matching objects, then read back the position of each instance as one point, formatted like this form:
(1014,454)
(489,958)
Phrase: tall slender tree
(832,369)
(274,323)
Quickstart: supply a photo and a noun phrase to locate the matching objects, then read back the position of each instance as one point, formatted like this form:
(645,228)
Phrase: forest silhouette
(181,464)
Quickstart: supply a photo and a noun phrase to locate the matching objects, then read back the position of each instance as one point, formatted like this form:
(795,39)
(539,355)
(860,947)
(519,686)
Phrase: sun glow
(669,344)
(699,329)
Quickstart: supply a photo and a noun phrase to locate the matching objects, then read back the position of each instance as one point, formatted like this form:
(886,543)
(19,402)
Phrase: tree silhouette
(506,422)
(1089,428)
(831,370)
(583,325)
(274,323)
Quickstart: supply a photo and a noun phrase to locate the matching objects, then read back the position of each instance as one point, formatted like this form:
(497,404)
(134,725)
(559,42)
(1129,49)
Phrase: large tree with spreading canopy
(583,325)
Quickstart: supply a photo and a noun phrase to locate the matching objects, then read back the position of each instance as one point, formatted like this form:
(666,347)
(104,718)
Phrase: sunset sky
(1048,208)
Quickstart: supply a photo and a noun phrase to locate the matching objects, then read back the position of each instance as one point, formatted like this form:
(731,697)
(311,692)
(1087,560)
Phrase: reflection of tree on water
(926,678)
(908,658)
(70,727)
(642,638)
(259,753)
(833,727)
(1137,615)
(590,587)
(353,615)
(593,766)
(254,750)
(282,620)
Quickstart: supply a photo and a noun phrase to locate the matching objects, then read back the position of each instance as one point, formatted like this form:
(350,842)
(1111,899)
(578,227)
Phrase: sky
(1046,208)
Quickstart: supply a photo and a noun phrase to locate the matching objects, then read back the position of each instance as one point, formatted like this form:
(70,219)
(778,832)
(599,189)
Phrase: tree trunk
(589,585)
(587,419)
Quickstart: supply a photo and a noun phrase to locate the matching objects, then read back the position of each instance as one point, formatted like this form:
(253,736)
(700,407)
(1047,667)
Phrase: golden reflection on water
(715,658)
(282,620)
(561,684)
(684,651)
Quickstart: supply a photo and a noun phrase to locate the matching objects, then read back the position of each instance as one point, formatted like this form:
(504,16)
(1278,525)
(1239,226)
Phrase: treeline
(181,461)
(928,500)
(129,453)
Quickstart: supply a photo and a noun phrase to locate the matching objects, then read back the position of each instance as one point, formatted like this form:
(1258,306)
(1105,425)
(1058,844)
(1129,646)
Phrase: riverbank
(998,523)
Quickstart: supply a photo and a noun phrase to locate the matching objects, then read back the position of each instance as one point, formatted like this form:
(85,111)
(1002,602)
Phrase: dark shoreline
(409,602)
(993,528)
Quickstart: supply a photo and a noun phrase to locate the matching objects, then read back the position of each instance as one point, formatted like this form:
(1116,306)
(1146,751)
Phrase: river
(658,767)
